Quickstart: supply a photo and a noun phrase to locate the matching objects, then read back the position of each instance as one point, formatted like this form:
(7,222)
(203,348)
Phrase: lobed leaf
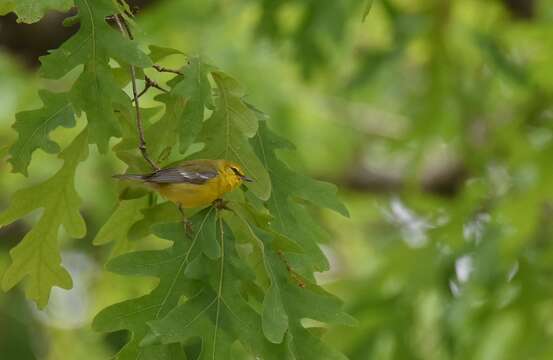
(158,53)
(195,87)
(290,217)
(291,298)
(117,227)
(94,44)
(37,256)
(96,91)
(31,11)
(219,314)
(33,128)
(226,134)
(168,265)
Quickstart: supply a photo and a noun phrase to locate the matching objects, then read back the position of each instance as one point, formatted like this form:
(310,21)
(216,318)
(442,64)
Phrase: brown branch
(154,84)
(124,27)
(151,84)
(164,69)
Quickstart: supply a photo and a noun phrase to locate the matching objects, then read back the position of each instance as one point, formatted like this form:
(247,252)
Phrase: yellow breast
(193,195)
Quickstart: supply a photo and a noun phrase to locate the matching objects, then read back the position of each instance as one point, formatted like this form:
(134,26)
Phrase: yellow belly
(190,195)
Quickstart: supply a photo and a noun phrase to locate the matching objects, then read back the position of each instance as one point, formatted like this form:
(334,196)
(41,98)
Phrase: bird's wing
(188,173)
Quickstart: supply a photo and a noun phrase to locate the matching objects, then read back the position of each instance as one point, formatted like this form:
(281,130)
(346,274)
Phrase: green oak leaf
(96,89)
(117,227)
(227,132)
(164,132)
(95,92)
(158,53)
(291,298)
(218,313)
(33,128)
(195,87)
(154,215)
(169,266)
(37,255)
(31,11)
(94,44)
(210,247)
(290,217)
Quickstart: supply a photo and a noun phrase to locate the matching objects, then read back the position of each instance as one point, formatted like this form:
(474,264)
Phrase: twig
(164,69)
(154,84)
(122,24)
(150,84)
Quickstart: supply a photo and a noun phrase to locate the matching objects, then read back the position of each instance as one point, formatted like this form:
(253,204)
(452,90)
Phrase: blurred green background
(434,118)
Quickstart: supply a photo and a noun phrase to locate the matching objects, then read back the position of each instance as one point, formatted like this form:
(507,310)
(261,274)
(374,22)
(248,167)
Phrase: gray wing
(180,175)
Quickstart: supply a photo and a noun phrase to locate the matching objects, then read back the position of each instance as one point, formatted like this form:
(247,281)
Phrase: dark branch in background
(30,41)
(124,27)
(521,9)
(444,179)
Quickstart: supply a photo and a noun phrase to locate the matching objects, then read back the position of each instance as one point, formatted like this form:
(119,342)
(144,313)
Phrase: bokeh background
(434,118)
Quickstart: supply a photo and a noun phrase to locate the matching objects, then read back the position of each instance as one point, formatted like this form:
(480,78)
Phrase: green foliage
(226,133)
(93,45)
(434,115)
(95,92)
(224,309)
(117,227)
(196,89)
(210,286)
(37,256)
(30,11)
(34,126)
(367,10)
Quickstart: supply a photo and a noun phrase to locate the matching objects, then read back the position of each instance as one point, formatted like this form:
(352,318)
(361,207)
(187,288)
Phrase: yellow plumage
(194,183)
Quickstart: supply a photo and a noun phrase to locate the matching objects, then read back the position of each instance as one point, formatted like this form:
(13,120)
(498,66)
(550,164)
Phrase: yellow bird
(194,183)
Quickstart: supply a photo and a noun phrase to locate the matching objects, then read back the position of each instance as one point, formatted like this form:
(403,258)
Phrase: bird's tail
(129,177)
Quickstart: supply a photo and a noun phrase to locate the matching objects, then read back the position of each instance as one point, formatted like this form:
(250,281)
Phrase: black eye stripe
(236,172)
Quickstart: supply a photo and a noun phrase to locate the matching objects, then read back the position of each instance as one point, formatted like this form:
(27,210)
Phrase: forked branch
(124,27)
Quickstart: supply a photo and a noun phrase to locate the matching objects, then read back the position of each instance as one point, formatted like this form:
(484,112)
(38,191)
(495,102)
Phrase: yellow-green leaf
(37,256)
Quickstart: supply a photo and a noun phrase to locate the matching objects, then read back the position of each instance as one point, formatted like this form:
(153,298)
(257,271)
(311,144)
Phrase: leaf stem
(124,27)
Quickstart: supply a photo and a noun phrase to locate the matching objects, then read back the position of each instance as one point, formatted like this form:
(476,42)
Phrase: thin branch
(154,84)
(164,69)
(123,26)
(151,84)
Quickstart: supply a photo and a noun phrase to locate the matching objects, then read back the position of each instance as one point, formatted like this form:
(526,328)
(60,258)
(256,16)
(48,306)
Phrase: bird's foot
(220,204)
(188,229)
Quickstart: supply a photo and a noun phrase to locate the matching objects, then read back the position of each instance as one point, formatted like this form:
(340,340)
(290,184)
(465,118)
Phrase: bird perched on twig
(193,183)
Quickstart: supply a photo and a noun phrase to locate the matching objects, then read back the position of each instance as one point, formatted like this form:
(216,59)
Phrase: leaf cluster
(246,275)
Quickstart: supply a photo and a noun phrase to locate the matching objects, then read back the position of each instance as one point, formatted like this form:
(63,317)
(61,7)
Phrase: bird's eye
(236,171)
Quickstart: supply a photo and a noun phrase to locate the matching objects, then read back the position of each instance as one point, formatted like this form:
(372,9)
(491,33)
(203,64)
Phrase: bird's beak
(247,178)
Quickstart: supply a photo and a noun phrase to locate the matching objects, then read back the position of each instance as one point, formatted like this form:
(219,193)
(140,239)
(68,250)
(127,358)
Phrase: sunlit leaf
(34,127)
(218,313)
(168,265)
(291,217)
(94,44)
(30,11)
(226,134)
(37,256)
(117,227)
(196,89)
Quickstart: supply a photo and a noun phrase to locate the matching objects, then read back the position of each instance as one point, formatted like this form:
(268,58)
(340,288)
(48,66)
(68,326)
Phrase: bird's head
(234,173)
